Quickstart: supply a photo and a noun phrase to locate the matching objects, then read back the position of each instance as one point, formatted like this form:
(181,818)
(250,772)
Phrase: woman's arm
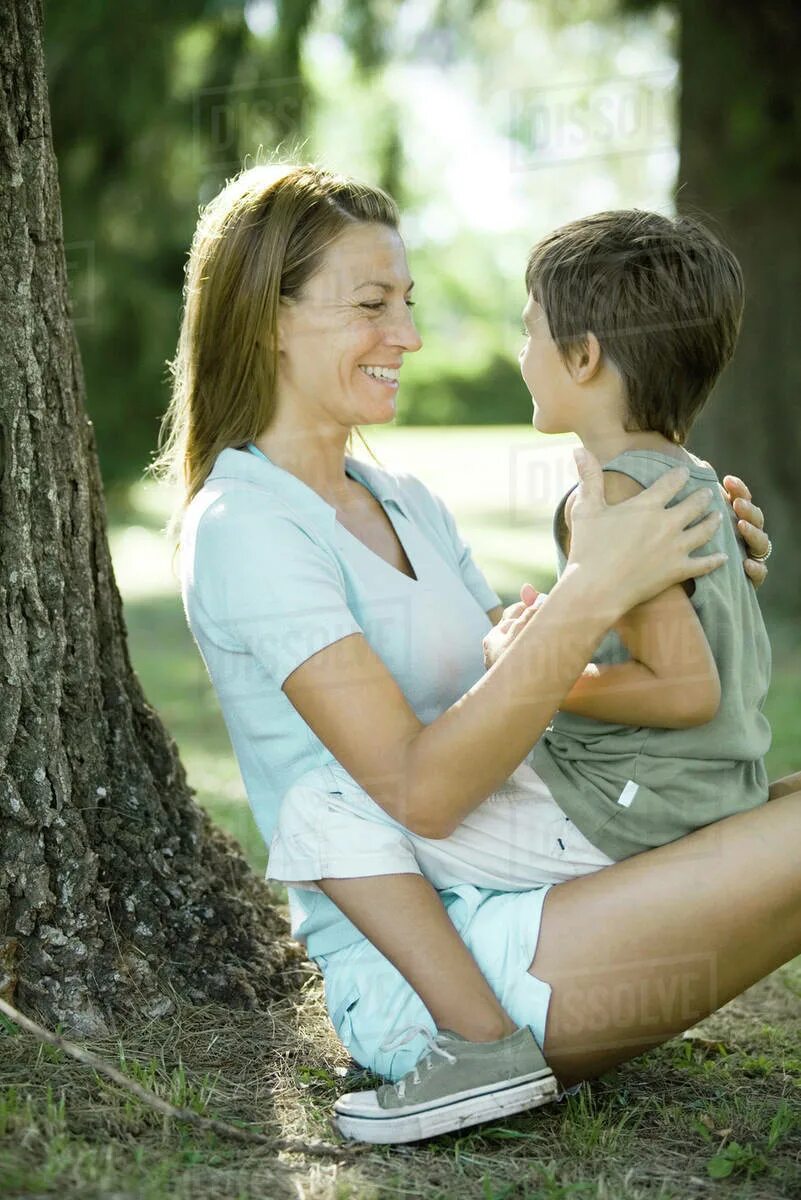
(430,776)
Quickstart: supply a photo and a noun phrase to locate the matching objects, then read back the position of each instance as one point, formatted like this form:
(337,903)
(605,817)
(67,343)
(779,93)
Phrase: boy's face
(546,376)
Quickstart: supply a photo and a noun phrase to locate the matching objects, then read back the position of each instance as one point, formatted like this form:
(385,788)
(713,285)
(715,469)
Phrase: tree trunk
(116,892)
(741,163)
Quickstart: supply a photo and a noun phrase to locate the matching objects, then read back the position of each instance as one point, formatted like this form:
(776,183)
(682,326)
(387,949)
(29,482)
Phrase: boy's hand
(750,526)
(515,616)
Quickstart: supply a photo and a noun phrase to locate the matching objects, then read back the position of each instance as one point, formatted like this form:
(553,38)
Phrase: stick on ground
(211,1124)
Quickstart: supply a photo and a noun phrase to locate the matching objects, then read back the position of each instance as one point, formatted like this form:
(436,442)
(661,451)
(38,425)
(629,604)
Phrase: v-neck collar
(381,559)
(255,467)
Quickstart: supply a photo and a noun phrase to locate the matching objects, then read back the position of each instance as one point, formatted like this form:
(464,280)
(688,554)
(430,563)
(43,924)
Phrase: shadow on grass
(73,1133)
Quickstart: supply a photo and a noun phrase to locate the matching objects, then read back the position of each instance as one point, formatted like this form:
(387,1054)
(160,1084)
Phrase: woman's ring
(762,557)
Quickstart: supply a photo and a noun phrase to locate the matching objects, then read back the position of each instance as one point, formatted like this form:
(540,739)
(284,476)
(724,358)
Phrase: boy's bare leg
(404,918)
(641,950)
(785,786)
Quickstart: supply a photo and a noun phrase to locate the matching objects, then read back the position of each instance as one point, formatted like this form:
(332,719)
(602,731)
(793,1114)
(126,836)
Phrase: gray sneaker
(455,1083)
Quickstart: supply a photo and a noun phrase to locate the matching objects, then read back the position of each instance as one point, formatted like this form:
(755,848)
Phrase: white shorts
(329,828)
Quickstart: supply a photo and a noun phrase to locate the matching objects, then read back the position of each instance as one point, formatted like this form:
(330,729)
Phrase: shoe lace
(407,1035)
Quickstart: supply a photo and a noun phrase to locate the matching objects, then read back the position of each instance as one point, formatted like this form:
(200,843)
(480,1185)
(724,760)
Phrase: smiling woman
(355,314)
(258,247)
(337,673)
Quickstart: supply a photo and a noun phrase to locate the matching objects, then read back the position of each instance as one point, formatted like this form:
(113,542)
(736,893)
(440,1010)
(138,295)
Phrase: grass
(717,1113)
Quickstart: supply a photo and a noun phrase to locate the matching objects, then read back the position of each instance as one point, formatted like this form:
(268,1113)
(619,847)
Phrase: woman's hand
(750,527)
(631,551)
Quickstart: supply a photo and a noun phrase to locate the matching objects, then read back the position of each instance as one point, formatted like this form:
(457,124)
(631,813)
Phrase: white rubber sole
(446,1117)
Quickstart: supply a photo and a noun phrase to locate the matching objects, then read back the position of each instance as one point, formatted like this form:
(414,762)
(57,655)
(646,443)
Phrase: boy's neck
(607,442)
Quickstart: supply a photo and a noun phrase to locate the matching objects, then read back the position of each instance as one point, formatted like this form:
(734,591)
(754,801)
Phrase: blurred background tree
(491,121)
(740,164)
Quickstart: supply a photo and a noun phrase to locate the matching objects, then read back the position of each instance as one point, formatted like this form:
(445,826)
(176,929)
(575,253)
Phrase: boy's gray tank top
(628,788)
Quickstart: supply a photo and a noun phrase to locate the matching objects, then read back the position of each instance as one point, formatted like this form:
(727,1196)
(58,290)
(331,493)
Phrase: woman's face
(342,343)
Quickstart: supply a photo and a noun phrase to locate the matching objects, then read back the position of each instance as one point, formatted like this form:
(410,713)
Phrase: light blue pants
(369,1001)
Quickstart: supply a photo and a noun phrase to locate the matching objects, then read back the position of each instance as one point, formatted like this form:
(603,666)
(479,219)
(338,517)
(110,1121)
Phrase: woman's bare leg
(641,950)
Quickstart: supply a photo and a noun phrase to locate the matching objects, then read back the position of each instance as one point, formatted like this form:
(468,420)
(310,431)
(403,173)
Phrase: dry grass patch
(663,1126)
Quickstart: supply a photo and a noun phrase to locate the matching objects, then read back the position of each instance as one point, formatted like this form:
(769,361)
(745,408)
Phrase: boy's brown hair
(663,296)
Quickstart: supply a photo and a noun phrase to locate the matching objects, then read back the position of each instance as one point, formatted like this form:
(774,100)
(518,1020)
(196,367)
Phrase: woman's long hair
(257,243)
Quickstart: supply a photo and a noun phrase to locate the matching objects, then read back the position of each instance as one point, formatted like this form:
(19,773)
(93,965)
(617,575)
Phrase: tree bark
(740,145)
(117,895)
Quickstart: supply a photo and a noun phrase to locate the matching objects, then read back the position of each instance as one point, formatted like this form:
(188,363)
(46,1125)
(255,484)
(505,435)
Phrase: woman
(341,617)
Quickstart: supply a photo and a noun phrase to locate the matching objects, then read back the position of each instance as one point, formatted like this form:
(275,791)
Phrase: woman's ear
(283,315)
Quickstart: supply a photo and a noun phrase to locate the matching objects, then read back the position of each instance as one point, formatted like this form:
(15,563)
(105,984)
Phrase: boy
(629,321)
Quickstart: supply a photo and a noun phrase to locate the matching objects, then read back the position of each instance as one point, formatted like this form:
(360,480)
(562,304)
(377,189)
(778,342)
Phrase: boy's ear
(586,358)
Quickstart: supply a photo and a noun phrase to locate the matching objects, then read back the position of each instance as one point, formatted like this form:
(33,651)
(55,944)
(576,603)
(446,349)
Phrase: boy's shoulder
(617,488)
(646,466)
(631,471)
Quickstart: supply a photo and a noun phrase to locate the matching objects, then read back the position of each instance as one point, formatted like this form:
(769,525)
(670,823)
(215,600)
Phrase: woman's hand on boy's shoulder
(750,518)
(750,526)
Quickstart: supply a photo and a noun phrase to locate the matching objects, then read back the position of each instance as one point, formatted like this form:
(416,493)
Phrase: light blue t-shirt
(269,577)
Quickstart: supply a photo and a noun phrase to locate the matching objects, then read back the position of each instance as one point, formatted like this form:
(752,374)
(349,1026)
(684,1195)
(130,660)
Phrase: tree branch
(210,1124)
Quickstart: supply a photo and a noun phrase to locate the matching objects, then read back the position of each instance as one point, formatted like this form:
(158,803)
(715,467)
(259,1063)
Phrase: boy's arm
(671,681)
